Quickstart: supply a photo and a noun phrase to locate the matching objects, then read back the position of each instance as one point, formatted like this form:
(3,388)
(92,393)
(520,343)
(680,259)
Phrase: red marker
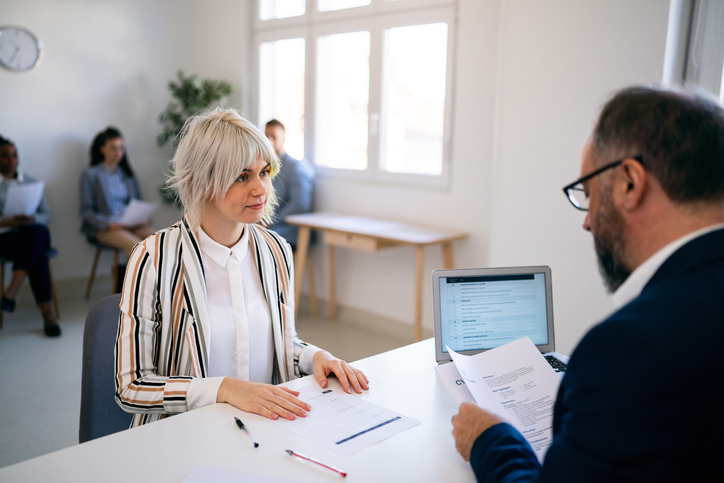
(292,453)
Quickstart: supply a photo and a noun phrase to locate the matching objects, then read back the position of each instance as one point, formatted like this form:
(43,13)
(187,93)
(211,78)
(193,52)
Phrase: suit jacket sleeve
(140,388)
(613,379)
(300,187)
(501,454)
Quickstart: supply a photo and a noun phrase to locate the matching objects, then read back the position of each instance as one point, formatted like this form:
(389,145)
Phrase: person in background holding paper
(207,307)
(25,240)
(642,398)
(106,189)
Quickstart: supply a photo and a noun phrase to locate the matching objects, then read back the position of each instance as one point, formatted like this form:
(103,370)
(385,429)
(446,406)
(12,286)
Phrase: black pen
(243,428)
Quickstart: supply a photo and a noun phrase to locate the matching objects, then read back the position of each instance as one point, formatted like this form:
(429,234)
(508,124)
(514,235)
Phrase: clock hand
(15,52)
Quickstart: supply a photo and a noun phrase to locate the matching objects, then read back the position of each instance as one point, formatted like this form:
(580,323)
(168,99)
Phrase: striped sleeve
(303,352)
(139,386)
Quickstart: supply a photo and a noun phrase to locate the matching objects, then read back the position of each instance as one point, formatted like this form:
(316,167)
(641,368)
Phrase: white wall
(560,60)
(530,76)
(108,62)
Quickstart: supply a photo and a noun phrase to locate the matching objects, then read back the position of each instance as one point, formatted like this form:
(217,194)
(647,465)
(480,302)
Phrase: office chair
(100,415)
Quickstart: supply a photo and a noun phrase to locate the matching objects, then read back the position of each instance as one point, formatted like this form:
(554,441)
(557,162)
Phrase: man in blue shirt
(293,184)
(642,395)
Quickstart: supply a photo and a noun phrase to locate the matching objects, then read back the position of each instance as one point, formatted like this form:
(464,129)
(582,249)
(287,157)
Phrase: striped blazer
(163,327)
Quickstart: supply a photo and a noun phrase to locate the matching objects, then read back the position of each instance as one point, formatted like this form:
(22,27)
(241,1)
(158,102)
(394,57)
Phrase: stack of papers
(513,381)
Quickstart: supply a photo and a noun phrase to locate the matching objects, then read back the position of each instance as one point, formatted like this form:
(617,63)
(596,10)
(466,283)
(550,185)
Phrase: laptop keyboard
(557,365)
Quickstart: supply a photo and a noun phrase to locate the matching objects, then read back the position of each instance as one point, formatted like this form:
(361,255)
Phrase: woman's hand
(17,220)
(114,225)
(263,399)
(326,364)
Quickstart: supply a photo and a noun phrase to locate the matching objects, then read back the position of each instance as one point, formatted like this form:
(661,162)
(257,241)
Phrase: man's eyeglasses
(575,192)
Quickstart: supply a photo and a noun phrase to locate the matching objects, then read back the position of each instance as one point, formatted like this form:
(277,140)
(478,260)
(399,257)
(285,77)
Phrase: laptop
(477,309)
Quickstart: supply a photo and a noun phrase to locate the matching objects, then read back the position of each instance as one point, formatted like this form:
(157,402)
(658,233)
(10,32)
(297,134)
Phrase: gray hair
(679,133)
(216,146)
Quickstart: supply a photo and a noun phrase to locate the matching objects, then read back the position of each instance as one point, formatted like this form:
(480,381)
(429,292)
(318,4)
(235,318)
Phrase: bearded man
(642,397)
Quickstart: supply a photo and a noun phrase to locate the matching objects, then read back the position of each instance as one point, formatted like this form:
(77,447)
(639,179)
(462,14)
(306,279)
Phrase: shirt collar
(638,279)
(219,253)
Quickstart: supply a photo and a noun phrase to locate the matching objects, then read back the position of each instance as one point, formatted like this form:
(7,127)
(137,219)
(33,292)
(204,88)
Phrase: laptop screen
(480,309)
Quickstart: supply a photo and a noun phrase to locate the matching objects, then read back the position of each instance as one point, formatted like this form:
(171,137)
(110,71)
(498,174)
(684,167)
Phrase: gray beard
(614,274)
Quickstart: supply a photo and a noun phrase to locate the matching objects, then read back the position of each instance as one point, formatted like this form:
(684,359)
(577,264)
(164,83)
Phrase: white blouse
(241,341)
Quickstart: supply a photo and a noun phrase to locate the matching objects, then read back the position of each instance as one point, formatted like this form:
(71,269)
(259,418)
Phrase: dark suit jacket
(643,396)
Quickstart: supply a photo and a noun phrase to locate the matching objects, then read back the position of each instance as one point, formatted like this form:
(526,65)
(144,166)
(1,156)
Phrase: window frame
(376,18)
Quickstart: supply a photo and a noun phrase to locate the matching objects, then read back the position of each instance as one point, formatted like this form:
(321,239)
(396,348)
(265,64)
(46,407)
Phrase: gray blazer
(94,202)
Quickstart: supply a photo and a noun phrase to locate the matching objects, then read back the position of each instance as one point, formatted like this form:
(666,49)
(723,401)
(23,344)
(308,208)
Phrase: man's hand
(468,424)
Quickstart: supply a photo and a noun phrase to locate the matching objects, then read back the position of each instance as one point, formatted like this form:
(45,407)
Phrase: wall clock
(20,50)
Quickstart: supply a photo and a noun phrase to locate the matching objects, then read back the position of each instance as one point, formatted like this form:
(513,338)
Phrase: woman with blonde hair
(207,306)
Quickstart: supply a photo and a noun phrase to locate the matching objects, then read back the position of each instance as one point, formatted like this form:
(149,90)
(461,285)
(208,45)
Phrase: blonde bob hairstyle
(216,146)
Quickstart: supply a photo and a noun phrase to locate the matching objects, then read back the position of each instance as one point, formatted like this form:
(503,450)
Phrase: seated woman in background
(106,189)
(25,240)
(207,307)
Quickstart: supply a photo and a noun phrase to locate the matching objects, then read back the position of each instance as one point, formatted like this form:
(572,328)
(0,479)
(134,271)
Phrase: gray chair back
(100,415)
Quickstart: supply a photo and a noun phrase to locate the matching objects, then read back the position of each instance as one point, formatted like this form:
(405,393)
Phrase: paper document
(23,199)
(454,382)
(515,382)
(345,423)
(137,212)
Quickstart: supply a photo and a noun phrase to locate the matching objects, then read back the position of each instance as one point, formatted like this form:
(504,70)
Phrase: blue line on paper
(368,430)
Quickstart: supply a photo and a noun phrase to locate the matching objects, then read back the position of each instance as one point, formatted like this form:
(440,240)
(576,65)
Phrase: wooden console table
(369,234)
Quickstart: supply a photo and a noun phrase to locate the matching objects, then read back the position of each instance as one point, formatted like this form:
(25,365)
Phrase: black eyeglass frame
(572,186)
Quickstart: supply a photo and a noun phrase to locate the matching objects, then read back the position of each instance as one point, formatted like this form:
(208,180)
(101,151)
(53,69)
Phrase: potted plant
(189,95)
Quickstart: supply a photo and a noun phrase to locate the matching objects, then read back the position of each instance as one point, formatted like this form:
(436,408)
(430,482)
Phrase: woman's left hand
(326,364)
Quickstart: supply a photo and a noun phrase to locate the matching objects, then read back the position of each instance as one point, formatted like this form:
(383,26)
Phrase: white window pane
(342,98)
(281,90)
(269,9)
(413,111)
(326,5)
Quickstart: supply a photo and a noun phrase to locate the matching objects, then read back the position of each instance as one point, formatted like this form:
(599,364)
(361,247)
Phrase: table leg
(420,255)
(312,291)
(300,259)
(447,255)
(332,285)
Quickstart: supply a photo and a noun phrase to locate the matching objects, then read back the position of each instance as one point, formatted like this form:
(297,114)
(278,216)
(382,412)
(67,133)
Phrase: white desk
(403,380)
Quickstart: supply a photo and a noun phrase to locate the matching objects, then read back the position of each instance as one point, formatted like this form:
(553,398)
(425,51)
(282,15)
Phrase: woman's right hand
(17,220)
(263,399)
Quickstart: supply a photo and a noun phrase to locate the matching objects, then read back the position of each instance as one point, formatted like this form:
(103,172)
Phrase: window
(375,97)
(695,45)
(281,90)
(269,9)
(342,100)
(413,109)
(327,5)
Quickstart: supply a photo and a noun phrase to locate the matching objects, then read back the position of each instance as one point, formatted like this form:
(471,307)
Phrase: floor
(40,377)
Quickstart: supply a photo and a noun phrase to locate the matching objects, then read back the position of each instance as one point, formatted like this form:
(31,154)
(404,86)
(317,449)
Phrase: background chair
(100,415)
(52,253)
(114,274)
